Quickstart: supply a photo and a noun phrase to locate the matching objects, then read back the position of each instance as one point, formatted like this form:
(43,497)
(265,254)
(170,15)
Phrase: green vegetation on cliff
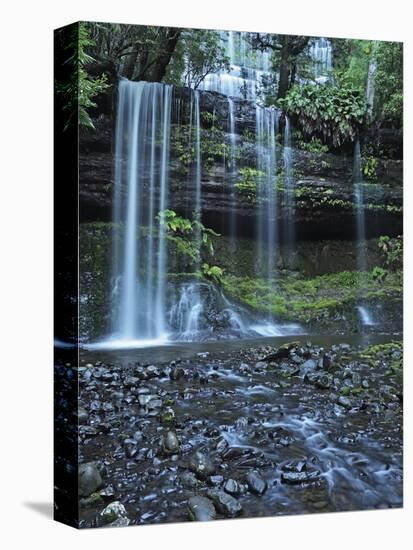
(302,299)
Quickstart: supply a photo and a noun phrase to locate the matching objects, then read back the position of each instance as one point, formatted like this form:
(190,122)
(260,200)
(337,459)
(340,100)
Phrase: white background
(26,270)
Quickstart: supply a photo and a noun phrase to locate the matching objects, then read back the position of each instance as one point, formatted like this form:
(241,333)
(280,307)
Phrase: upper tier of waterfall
(248,68)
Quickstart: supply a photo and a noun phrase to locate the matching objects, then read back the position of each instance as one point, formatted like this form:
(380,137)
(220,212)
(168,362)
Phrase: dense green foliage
(389,84)
(184,234)
(335,113)
(80,89)
(249,180)
(392,251)
(198,53)
(358,61)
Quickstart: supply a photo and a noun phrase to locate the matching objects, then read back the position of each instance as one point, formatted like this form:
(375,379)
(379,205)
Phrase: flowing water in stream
(316,451)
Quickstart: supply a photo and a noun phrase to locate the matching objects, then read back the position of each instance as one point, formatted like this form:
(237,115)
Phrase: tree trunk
(284,74)
(130,64)
(158,69)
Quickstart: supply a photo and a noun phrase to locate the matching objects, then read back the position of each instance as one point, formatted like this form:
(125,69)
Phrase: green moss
(389,355)
(302,299)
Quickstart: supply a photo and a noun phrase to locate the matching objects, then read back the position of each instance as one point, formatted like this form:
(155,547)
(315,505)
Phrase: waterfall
(233,171)
(321,53)
(247,68)
(141,191)
(288,195)
(371,81)
(266,130)
(185,313)
(361,258)
(197,130)
(145,308)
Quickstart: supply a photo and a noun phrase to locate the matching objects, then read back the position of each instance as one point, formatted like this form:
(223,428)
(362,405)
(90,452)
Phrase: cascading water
(233,170)
(144,117)
(365,316)
(146,308)
(247,69)
(266,130)
(321,53)
(288,196)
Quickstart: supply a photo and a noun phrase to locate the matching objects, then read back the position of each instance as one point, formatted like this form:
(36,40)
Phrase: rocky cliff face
(323,189)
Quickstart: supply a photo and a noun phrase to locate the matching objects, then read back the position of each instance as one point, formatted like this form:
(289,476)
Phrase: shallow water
(169,351)
(353,458)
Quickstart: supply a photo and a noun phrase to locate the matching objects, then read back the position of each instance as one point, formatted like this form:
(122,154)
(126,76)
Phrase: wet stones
(152,371)
(189,480)
(225,503)
(295,472)
(283,352)
(216,480)
(201,509)
(260,366)
(295,466)
(256,483)
(232,487)
(295,478)
(344,402)
(309,366)
(114,515)
(131,448)
(170,443)
(177,373)
(201,465)
(221,445)
(130,382)
(245,369)
(89,479)
(323,381)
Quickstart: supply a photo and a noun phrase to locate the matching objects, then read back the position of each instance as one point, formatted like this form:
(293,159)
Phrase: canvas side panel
(66,278)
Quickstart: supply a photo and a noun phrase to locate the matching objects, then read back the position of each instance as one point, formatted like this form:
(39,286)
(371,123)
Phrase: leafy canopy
(334,113)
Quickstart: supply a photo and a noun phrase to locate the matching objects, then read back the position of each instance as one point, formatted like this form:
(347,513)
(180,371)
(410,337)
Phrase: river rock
(295,478)
(152,371)
(189,480)
(201,509)
(296,465)
(326,362)
(256,483)
(232,487)
(170,443)
(89,479)
(216,480)
(323,382)
(344,402)
(244,368)
(177,373)
(282,352)
(201,465)
(309,365)
(114,514)
(225,503)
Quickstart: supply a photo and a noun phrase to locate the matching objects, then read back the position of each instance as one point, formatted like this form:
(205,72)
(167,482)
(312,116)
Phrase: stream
(280,427)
